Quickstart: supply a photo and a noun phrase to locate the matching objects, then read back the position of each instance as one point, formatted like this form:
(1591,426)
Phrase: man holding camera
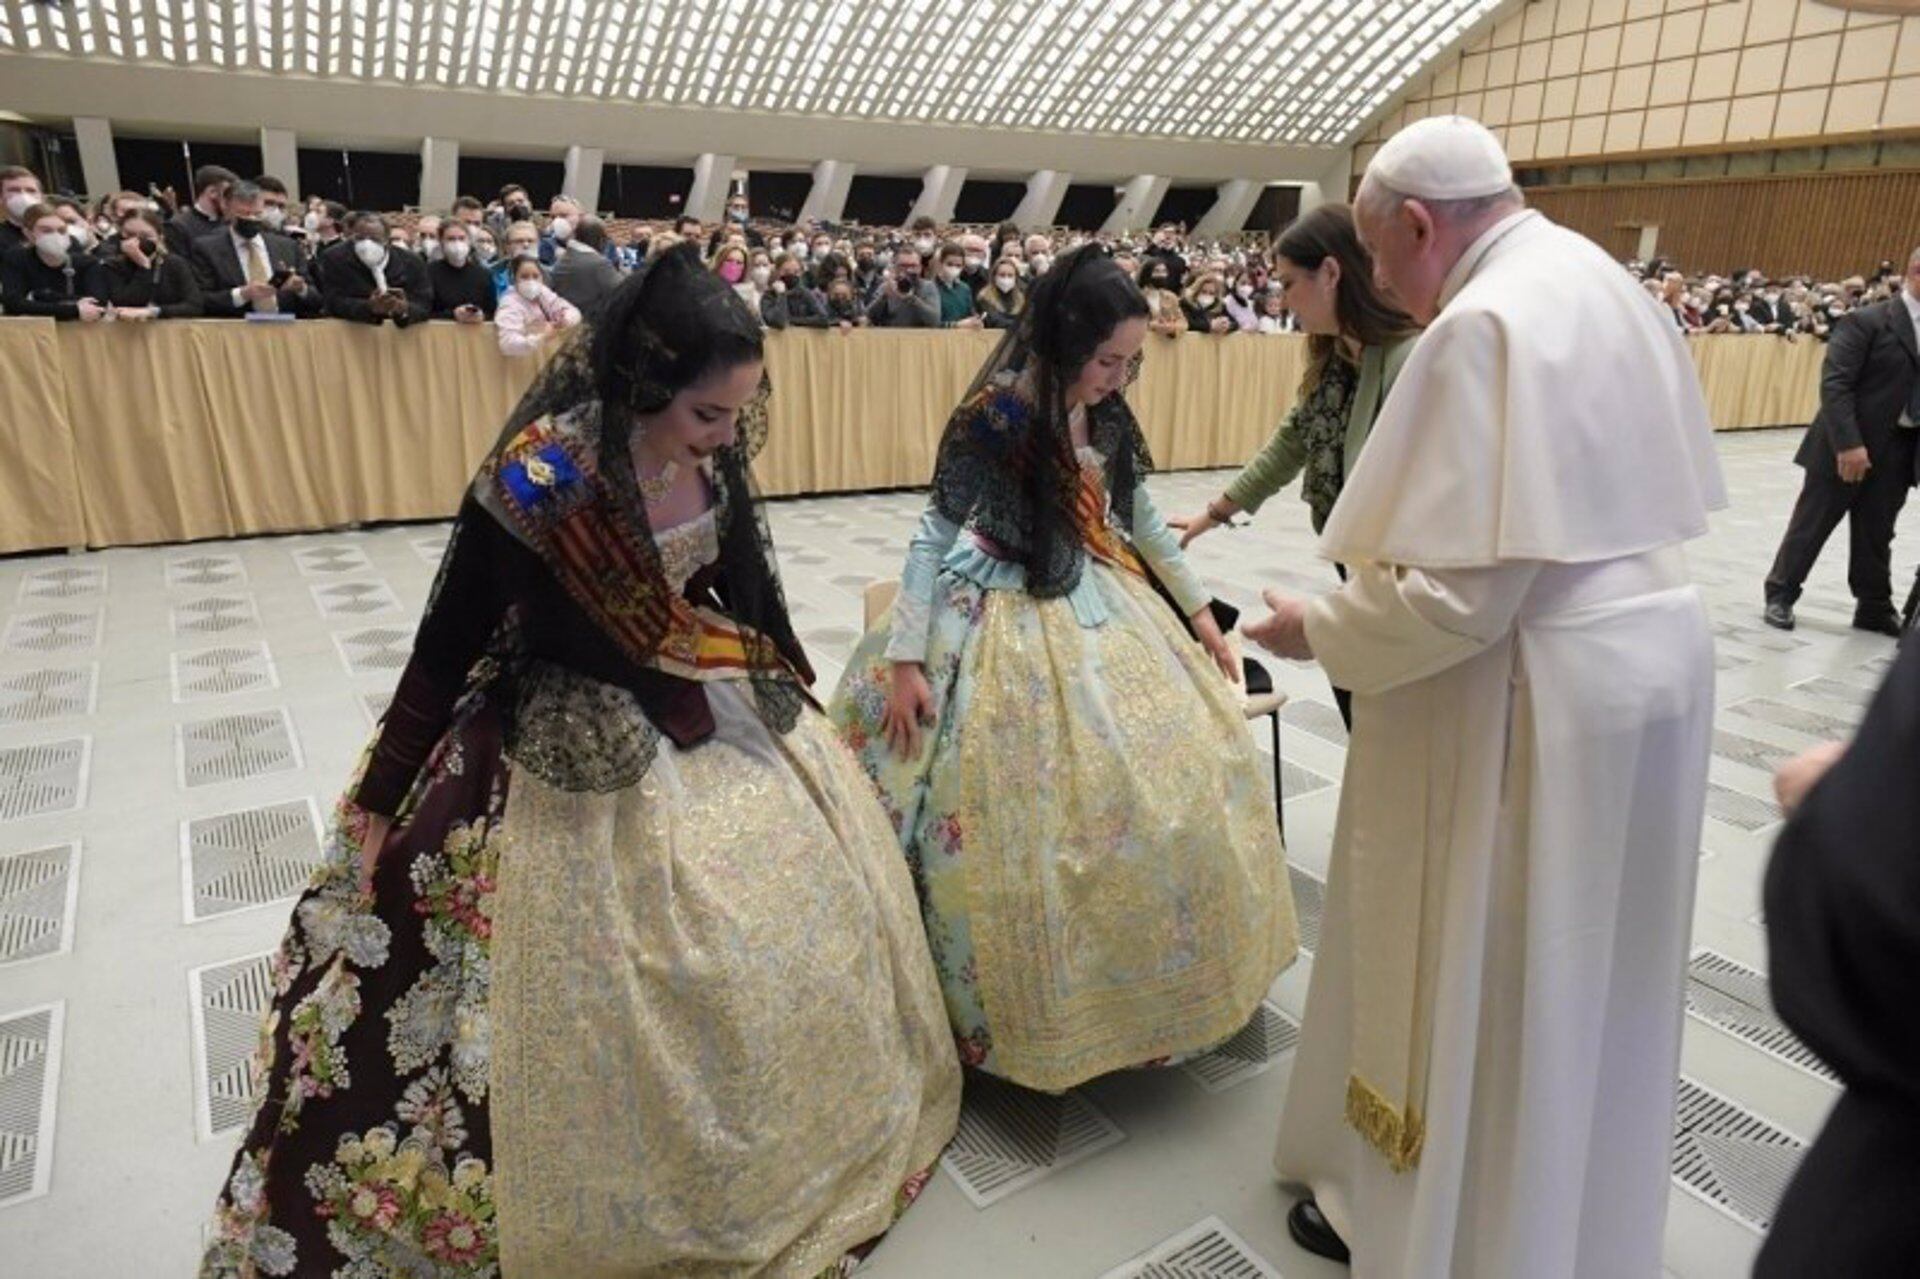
(906,300)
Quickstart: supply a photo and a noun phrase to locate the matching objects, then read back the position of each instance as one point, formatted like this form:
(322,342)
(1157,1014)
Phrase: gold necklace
(655,490)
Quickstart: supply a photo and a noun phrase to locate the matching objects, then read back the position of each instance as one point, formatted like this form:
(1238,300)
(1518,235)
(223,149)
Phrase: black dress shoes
(1311,1231)
(1779,615)
(1881,621)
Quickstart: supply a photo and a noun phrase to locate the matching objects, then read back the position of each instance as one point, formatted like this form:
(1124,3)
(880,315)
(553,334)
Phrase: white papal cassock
(1485,1082)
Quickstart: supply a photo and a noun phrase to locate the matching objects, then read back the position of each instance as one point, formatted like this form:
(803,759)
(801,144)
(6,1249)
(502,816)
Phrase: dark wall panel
(1087,205)
(778,195)
(378,180)
(1185,204)
(483,176)
(985,200)
(159,162)
(881,201)
(645,190)
(1275,210)
(242,157)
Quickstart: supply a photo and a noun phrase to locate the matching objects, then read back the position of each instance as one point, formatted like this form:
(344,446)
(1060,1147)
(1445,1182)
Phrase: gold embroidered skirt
(718,1041)
(1090,826)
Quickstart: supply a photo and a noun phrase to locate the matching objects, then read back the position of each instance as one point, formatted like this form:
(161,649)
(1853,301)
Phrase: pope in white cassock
(1485,1082)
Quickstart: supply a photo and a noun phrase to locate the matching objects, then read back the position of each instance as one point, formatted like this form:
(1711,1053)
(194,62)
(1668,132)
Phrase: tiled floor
(173,721)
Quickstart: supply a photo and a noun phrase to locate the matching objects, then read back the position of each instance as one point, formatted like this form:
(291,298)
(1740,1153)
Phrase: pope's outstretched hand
(1282,632)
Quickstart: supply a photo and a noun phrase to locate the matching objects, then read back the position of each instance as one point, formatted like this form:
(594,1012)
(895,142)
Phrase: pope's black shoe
(1311,1231)
(1779,615)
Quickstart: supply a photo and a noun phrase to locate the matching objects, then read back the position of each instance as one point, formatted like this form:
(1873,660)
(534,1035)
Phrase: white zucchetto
(1444,157)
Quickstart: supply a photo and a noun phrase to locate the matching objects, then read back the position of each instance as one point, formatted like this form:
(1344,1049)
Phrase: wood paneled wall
(1829,225)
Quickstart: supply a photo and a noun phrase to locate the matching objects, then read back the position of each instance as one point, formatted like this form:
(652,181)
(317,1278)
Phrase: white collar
(1476,254)
(1913,303)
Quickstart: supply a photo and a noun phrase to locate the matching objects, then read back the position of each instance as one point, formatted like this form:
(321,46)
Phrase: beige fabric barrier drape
(158,432)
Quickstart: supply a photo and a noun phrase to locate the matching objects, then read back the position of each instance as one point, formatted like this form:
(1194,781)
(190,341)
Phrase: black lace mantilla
(1007,469)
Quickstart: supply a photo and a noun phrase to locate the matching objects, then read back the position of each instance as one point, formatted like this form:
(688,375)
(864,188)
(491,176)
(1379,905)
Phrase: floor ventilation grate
(1205,1250)
(1011,1137)
(1315,718)
(65,631)
(1799,719)
(229,1000)
(47,778)
(355,599)
(222,672)
(63,583)
(234,747)
(250,858)
(1728,995)
(1730,1157)
(29,1088)
(376,650)
(331,561)
(214,615)
(198,572)
(37,897)
(1261,1042)
(32,696)
(1309,904)
(1735,808)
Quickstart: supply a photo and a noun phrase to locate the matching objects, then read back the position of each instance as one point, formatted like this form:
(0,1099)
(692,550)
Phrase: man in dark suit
(581,273)
(370,280)
(1843,936)
(207,212)
(1859,457)
(243,267)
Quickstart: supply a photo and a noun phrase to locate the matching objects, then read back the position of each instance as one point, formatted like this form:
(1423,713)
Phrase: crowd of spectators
(238,248)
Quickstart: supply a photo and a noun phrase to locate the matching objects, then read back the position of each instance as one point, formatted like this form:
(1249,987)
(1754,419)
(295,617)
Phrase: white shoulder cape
(1551,412)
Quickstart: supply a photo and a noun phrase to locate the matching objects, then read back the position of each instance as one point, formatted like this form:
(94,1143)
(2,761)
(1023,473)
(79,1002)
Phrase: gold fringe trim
(1396,1134)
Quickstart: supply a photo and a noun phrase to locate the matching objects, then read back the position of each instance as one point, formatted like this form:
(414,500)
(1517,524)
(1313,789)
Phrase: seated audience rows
(236,249)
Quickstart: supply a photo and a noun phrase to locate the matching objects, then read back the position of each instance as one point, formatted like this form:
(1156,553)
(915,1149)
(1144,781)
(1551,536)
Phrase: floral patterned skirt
(689,1027)
(1089,828)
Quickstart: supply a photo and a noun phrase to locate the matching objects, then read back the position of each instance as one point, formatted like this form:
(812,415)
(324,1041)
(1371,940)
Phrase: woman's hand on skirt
(909,707)
(376,837)
(1208,631)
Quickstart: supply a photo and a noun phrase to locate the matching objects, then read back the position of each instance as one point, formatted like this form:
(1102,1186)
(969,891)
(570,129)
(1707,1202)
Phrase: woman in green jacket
(1358,341)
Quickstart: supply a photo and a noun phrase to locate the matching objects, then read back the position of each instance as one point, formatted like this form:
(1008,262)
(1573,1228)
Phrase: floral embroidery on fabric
(244,1243)
(396,1207)
(319,1066)
(447,1008)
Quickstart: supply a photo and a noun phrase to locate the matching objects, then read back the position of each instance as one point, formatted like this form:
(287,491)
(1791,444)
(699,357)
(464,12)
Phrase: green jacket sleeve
(1272,468)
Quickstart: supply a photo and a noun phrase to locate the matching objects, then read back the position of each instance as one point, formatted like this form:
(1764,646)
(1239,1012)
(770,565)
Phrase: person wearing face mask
(371,281)
(867,272)
(462,287)
(486,251)
(957,307)
(521,240)
(43,277)
(141,280)
(1239,302)
(1205,311)
(206,214)
(531,314)
(1166,314)
(974,272)
(79,229)
(905,301)
(788,301)
(581,274)
(734,225)
(1166,248)
(732,265)
(426,237)
(1003,301)
(273,206)
(563,215)
(242,267)
(924,237)
(19,191)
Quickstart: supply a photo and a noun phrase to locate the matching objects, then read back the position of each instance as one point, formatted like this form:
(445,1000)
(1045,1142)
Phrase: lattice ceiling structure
(1274,72)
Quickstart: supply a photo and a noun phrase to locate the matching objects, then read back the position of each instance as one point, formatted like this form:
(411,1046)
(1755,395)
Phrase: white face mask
(1005,283)
(82,233)
(371,252)
(1041,263)
(19,202)
(430,249)
(456,251)
(274,216)
(528,289)
(1243,291)
(562,228)
(975,261)
(1205,299)
(311,222)
(924,244)
(760,276)
(949,273)
(53,245)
